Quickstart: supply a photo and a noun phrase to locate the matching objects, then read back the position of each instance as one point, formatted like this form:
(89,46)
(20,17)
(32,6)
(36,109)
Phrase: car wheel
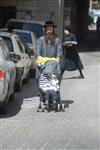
(32,73)
(3,109)
(3,105)
(26,80)
(11,98)
(18,86)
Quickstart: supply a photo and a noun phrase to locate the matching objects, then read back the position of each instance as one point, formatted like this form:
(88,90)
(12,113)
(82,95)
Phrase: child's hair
(68,28)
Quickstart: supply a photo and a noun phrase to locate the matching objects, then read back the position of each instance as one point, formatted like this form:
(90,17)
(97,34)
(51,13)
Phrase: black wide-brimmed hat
(49,23)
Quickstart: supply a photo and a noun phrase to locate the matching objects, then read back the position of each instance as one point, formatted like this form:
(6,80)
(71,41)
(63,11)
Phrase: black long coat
(71,60)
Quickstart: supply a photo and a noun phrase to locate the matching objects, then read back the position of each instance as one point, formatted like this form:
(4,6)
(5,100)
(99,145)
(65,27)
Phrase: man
(49,45)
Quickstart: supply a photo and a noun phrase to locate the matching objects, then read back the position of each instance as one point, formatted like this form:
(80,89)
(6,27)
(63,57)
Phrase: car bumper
(3,92)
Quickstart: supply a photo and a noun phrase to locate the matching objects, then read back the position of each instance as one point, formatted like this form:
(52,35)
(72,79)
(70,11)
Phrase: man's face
(49,30)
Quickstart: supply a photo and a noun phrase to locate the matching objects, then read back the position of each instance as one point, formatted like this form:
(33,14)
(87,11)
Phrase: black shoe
(38,94)
(81,76)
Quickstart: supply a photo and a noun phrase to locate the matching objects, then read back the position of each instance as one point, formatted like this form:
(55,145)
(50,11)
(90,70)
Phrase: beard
(50,38)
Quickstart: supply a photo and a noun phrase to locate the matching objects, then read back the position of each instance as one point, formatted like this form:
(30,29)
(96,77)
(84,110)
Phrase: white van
(30,25)
(23,63)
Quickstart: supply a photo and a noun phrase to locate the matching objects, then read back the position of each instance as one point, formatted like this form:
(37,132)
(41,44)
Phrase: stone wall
(7,3)
(40,10)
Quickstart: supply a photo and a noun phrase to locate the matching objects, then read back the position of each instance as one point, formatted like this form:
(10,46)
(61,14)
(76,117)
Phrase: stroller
(49,85)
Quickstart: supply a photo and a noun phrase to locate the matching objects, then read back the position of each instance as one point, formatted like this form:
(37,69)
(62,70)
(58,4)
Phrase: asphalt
(78,128)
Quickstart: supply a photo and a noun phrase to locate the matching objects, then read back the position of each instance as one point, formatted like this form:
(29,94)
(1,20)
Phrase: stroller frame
(50,100)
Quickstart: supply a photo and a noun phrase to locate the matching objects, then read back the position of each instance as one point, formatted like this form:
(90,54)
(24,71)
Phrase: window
(8,43)
(25,37)
(34,27)
(1,53)
(6,53)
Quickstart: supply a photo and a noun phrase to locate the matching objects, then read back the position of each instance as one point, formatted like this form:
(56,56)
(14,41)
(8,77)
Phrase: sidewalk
(84,113)
(78,128)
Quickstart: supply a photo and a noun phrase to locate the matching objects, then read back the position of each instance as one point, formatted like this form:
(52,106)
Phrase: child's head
(67,30)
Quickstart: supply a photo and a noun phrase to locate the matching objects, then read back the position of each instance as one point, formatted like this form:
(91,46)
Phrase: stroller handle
(45,59)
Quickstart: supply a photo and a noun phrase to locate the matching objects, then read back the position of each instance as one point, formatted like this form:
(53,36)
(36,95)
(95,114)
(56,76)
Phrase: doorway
(5,14)
(77,14)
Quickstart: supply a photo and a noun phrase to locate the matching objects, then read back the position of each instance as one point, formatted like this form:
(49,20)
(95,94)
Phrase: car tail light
(1,75)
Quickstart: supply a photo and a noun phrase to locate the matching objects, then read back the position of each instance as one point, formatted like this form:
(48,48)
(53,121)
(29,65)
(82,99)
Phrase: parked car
(94,14)
(30,25)
(26,36)
(23,62)
(7,76)
(29,41)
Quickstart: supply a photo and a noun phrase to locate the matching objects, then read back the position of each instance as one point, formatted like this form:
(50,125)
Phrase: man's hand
(58,58)
(39,57)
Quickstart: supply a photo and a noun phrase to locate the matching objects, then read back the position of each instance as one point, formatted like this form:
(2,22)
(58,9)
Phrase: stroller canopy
(52,67)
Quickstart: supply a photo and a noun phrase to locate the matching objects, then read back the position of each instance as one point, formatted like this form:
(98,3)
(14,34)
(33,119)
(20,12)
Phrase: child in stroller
(49,84)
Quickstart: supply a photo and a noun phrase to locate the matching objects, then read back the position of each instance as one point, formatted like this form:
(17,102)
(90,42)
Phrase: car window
(21,46)
(8,43)
(6,53)
(34,27)
(1,52)
(7,50)
(25,37)
(14,25)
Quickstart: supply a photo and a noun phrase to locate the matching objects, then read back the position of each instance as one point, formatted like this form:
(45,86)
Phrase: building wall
(94,5)
(7,3)
(40,10)
(60,11)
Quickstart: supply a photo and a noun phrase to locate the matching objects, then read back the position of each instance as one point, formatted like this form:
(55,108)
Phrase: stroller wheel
(63,107)
(48,108)
(40,107)
(47,105)
(43,110)
(57,107)
(38,110)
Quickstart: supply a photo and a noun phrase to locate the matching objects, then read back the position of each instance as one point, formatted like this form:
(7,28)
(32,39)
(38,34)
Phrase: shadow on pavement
(67,102)
(76,77)
(28,91)
(90,43)
(66,105)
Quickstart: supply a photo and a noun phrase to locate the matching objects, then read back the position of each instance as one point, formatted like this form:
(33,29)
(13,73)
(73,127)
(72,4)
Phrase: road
(78,128)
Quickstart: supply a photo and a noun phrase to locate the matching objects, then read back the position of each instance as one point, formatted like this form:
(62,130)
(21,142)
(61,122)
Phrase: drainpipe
(61,14)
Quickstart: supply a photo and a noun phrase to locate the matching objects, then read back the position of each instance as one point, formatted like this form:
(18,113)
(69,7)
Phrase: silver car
(23,62)
(7,76)
(29,40)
